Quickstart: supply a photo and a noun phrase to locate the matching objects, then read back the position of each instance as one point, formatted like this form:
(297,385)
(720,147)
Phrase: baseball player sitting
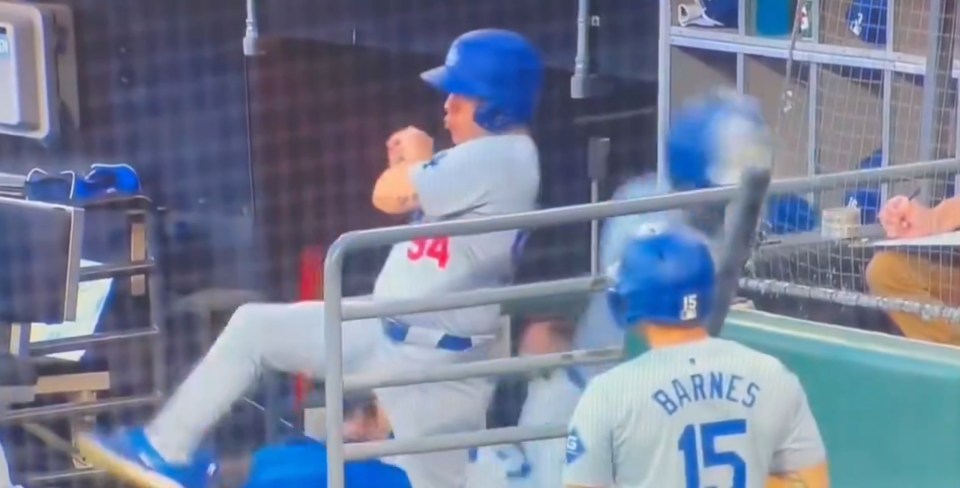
(694,411)
(492,80)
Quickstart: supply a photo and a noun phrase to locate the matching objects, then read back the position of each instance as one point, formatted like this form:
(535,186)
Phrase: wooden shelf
(695,72)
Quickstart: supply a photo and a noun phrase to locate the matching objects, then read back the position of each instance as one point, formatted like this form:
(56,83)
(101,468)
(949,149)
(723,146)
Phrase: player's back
(704,414)
(492,175)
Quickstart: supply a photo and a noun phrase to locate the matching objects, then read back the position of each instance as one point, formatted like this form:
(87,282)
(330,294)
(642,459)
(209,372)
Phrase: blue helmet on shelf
(867,19)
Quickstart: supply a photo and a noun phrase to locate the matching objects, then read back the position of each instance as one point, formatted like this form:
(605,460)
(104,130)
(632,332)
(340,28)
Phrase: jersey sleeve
(453,182)
(590,456)
(801,446)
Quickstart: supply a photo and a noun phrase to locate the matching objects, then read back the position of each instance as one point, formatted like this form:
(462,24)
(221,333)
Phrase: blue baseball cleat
(129,456)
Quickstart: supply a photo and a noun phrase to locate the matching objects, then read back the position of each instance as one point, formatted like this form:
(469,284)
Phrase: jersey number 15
(700,442)
(435,248)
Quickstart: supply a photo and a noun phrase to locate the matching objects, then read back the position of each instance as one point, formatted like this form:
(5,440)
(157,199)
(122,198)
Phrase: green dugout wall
(888,408)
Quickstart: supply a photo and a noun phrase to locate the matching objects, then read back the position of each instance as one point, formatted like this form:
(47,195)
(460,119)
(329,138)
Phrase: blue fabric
(41,186)
(726,12)
(867,196)
(67,187)
(867,19)
(788,213)
(303,464)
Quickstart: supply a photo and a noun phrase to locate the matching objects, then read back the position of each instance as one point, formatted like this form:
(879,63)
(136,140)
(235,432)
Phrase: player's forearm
(394,193)
(947,214)
(815,477)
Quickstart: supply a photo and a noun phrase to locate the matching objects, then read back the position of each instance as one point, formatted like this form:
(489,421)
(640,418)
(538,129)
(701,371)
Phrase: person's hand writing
(902,217)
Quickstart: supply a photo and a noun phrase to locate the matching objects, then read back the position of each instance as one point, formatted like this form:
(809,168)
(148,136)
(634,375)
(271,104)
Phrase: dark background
(255,159)
(258,157)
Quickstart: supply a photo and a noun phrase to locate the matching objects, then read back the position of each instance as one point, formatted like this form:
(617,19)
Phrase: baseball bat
(738,243)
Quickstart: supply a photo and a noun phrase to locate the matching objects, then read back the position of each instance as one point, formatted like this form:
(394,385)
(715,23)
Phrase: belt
(400,332)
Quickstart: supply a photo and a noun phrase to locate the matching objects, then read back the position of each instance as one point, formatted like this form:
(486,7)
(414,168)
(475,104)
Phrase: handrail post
(333,374)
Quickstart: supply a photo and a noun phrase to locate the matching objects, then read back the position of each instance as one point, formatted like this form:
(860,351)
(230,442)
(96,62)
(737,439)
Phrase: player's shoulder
(627,372)
(509,146)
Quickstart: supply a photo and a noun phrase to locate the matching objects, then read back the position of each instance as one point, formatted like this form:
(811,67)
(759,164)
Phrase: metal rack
(694,59)
(144,279)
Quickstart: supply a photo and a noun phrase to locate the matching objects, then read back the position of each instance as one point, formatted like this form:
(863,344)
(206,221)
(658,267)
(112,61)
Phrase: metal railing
(337,310)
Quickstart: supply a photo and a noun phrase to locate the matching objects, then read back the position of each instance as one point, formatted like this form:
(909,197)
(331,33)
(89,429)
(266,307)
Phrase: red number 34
(435,248)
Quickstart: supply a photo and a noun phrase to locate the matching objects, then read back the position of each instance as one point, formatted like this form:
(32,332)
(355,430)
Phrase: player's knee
(247,322)
(887,272)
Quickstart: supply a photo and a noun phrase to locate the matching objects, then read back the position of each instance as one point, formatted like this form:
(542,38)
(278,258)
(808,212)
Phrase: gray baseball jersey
(486,176)
(708,414)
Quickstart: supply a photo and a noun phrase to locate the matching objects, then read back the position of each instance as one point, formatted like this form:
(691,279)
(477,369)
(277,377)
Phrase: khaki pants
(898,275)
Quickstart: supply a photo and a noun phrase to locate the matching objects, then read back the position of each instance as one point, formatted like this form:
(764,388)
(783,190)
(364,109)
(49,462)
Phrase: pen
(915,194)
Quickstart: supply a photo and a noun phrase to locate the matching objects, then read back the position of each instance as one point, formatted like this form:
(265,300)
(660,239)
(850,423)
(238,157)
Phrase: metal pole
(364,309)
(479,369)
(936,82)
(580,83)
(449,442)
(603,210)
(664,102)
(598,156)
(332,326)
(251,36)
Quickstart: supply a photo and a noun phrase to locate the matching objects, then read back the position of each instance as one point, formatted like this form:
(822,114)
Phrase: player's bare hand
(903,217)
(394,155)
(410,145)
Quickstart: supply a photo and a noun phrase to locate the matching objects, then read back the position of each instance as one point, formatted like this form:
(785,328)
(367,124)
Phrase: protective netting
(861,92)
(251,167)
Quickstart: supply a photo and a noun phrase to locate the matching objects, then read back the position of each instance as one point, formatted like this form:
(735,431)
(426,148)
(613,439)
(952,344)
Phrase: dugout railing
(338,310)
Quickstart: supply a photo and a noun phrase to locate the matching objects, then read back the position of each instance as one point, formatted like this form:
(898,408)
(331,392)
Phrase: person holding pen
(910,276)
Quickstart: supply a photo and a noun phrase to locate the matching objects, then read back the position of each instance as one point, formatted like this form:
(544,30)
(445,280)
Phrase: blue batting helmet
(712,139)
(498,68)
(867,19)
(664,278)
